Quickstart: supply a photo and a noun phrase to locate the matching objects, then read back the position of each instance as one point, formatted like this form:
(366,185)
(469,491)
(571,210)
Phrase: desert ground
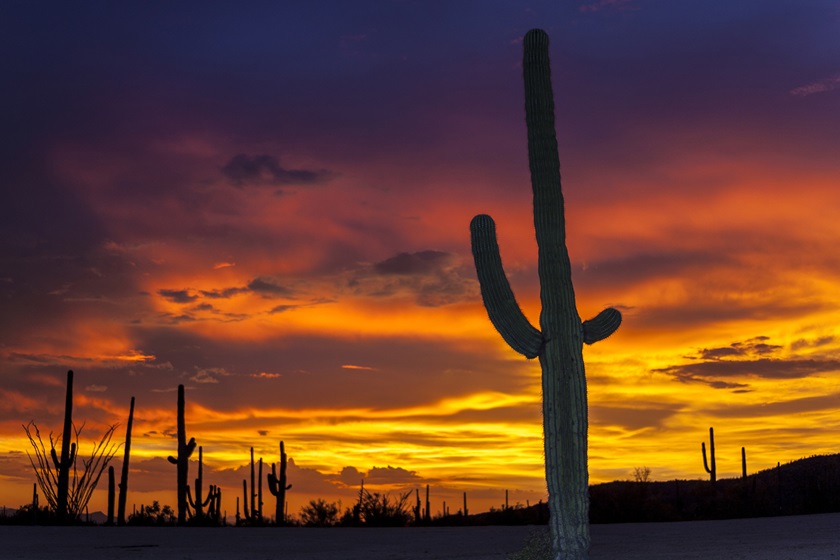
(807,537)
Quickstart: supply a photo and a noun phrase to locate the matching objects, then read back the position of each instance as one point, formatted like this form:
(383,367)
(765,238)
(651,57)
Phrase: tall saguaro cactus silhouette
(182,461)
(124,476)
(68,455)
(559,341)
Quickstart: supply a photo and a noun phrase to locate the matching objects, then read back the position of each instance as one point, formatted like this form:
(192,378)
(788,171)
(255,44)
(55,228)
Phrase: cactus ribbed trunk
(124,477)
(559,341)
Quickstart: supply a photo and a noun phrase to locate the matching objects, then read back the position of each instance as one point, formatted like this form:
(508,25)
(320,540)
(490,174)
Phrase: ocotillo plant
(185,449)
(124,477)
(559,341)
(199,504)
(68,455)
(713,469)
(277,486)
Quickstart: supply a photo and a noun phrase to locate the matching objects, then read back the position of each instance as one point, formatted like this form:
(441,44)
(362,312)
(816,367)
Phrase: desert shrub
(153,515)
(379,510)
(319,513)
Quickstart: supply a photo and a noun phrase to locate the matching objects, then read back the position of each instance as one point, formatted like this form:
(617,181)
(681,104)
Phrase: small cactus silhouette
(743,462)
(277,486)
(712,470)
(198,504)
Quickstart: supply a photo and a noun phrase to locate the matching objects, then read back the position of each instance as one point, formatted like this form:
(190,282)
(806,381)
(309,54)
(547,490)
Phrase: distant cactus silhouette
(428,513)
(34,503)
(182,461)
(418,511)
(199,503)
(214,509)
(111,495)
(743,462)
(254,514)
(124,477)
(559,341)
(277,486)
(712,470)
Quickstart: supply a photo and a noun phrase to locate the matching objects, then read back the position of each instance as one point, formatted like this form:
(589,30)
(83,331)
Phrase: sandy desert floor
(808,537)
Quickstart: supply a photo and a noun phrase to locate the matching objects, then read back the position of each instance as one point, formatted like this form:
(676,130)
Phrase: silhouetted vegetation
(805,486)
(182,461)
(378,510)
(67,487)
(153,515)
(319,513)
(277,486)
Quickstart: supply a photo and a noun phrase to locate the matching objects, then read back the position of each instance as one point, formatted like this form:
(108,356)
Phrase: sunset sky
(269,202)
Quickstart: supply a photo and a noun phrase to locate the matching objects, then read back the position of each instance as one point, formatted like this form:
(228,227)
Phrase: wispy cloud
(265,169)
(820,86)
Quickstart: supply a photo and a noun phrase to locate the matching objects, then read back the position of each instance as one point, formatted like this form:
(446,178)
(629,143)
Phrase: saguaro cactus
(277,486)
(743,462)
(68,455)
(713,469)
(185,449)
(418,511)
(199,504)
(124,476)
(559,341)
(111,495)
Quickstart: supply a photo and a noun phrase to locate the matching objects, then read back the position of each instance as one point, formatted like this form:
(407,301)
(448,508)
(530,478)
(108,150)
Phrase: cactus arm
(601,326)
(498,297)
(190,498)
(172,460)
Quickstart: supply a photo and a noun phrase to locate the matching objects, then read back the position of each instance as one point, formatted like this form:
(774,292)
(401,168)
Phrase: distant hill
(805,486)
